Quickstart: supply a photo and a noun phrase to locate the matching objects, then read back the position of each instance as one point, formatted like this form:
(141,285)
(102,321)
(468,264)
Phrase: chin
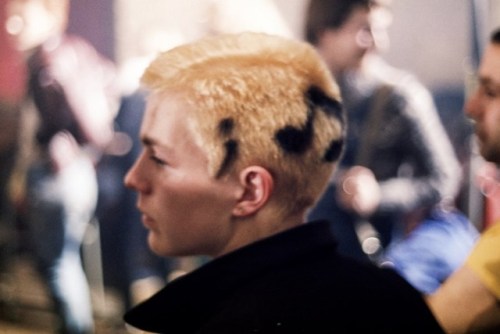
(155,245)
(161,247)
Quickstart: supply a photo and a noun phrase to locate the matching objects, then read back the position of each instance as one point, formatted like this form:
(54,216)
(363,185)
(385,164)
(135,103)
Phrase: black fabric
(293,282)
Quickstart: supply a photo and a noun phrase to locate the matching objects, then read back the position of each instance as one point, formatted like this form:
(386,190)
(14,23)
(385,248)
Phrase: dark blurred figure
(11,91)
(392,200)
(71,88)
(9,129)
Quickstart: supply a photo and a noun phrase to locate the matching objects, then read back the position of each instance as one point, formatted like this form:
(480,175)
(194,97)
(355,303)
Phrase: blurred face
(484,105)
(344,48)
(186,211)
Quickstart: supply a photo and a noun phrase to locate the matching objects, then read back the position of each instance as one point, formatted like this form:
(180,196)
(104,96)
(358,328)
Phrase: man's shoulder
(313,289)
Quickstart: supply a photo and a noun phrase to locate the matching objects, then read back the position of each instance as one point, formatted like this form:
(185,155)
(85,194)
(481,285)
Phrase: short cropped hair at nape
(259,99)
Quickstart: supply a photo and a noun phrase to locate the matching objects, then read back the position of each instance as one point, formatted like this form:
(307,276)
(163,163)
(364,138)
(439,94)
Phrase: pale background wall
(430,38)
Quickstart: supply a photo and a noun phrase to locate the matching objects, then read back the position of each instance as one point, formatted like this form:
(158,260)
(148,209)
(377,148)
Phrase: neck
(260,226)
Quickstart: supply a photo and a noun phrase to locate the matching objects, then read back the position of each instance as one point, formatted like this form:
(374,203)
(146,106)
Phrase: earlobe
(258,185)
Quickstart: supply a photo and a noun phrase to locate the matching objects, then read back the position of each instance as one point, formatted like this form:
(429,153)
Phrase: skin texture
(176,196)
(464,305)
(484,105)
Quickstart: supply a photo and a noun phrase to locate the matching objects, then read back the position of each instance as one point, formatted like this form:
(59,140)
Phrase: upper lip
(147,220)
(142,211)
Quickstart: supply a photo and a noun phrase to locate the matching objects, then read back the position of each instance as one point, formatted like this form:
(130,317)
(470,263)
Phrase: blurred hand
(359,191)
(63,150)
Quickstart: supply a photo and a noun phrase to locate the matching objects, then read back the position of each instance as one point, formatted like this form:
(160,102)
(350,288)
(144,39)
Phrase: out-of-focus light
(14,25)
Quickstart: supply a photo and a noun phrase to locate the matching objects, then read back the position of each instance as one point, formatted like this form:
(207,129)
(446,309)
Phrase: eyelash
(488,92)
(157,161)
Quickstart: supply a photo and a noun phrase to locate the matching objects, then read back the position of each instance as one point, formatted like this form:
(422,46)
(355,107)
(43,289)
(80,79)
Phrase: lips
(147,221)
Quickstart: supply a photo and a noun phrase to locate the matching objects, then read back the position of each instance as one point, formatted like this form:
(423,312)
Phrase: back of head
(261,100)
(328,14)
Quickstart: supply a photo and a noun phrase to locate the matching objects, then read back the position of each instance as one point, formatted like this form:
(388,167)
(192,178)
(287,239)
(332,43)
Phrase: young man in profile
(241,133)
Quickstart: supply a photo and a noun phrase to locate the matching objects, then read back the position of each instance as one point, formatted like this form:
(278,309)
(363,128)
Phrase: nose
(134,178)
(473,107)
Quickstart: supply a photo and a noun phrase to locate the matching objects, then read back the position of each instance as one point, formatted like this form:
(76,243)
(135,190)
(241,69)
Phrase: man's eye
(490,93)
(157,160)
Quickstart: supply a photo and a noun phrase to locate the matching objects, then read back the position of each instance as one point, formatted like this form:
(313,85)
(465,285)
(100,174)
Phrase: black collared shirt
(292,282)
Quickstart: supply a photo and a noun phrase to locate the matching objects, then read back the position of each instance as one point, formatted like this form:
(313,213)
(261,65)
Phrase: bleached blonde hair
(259,99)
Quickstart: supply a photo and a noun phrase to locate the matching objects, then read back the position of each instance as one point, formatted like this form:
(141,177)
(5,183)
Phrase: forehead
(490,64)
(166,119)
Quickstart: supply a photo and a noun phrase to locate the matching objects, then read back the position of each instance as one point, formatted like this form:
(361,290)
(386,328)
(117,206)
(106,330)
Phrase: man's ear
(258,185)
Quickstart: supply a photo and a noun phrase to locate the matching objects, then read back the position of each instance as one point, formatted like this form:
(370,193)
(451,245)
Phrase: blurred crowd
(68,139)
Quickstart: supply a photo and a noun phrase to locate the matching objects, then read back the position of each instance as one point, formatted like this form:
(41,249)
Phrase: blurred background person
(71,87)
(469,301)
(392,201)
(9,144)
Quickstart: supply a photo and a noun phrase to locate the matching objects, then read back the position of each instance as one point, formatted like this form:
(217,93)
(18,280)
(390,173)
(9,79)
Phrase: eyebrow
(488,81)
(154,144)
(151,143)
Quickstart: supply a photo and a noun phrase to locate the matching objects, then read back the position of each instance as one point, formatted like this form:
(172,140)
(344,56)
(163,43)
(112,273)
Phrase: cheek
(495,129)
(190,201)
(191,221)
(492,121)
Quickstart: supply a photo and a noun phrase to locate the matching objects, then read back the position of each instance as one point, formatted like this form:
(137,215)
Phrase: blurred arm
(469,300)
